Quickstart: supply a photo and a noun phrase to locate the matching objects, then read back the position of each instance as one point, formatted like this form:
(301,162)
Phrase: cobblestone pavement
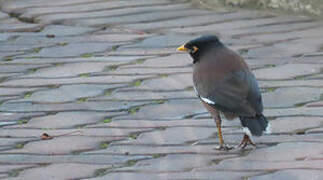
(102,78)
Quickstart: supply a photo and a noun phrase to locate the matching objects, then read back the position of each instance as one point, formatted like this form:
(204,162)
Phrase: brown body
(226,80)
(224,83)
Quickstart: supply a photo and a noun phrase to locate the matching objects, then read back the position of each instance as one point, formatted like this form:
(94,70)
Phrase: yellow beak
(182,48)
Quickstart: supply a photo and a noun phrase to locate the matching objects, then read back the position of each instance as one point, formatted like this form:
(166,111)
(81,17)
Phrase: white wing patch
(207,100)
(268,129)
(247,131)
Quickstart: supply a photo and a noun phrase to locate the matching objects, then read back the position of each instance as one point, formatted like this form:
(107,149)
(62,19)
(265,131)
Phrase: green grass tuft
(107,120)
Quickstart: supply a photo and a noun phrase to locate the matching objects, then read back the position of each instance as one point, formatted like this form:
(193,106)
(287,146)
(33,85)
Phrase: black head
(199,46)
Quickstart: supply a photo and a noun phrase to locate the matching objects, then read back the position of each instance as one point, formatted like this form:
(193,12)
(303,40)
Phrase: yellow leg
(218,125)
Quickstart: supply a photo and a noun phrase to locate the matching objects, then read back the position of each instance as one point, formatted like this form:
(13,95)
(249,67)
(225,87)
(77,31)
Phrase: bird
(225,85)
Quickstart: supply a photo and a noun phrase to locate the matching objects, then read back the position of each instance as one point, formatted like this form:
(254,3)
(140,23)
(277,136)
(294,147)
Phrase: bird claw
(245,141)
(224,147)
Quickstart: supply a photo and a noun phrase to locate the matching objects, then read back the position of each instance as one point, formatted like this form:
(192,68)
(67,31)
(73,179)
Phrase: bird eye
(194,49)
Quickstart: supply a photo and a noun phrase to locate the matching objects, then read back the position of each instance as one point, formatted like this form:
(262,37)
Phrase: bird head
(199,46)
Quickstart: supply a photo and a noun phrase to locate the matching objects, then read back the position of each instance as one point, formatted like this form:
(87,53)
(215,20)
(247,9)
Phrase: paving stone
(295,124)
(315,104)
(241,164)
(234,22)
(175,60)
(73,106)
(186,23)
(61,171)
(64,120)
(15,91)
(111,59)
(288,97)
(286,152)
(301,111)
(292,174)
(5,116)
(60,30)
(111,79)
(172,82)
(287,71)
(157,124)
(162,72)
(86,7)
(281,31)
(174,109)
(143,51)
(86,132)
(62,145)
(20,27)
(17,48)
(291,83)
(3,15)
(174,163)
(156,150)
(145,17)
(16,5)
(79,159)
(72,69)
(10,142)
(166,137)
(72,50)
(56,18)
(162,41)
(146,95)
(179,175)
(69,93)
(19,68)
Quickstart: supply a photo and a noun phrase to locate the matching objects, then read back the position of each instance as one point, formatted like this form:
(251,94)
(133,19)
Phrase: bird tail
(255,125)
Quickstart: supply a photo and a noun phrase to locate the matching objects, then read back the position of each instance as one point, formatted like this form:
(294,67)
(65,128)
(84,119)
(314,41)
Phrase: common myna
(224,83)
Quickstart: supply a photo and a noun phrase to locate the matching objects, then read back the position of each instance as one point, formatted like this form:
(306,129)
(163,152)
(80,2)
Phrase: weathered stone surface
(295,124)
(183,135)
(291,83)
(84,7)
(72,80)
(82,159)
(162,41)
(174,109)
(61,171)
(288,97)
(91,132)
(175,60)
(72,50)
(145,17)
(291,174)
(73,106)
(111,59)
(119,103)
(54,18)
(69,93)
(147,95)
(71,69)
(172,82)
(187,24)
(175,163)
(301,111)
(287,71)
(64,120)
(62,145)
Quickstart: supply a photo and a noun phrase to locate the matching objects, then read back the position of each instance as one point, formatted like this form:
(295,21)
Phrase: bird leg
(246,139)
(218,125)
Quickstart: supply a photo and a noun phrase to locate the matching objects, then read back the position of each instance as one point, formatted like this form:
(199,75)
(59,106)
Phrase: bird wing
(228,85)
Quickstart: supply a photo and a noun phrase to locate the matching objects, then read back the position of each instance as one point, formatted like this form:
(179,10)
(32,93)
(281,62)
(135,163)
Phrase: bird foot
(245,141)
(223,147)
